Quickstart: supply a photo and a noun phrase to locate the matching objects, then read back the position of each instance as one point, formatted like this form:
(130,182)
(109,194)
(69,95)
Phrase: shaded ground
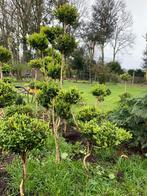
(4,178)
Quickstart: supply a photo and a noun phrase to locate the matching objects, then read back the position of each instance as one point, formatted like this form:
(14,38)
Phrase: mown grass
(70,179)
(110,175)
(111,101)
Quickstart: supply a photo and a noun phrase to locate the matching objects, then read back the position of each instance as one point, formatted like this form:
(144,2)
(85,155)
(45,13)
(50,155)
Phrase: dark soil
(4,178)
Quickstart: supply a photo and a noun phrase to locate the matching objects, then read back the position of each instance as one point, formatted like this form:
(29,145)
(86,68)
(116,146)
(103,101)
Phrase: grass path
(111,101)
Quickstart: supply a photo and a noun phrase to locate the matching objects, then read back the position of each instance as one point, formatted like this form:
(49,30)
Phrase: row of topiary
(21,131)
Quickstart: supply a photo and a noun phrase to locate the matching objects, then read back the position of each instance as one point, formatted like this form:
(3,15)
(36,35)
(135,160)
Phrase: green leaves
(66,44)
(71,96)
(38,41)
(52,33)
(20,133)
(54,71)
(36,63)
(48,93)
(101,91)
(89,113)
(67,14)
(7,94)
(126,77)
(5,55)
(105,134)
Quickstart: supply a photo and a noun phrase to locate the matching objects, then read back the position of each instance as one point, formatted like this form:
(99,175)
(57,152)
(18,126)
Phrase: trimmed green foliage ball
(48,93)
(36,63)
(101,91)
(7,94)
(89,113)
(5,55)
(67,14)
(66,44)
(71,96)
(105,134)
(126,77)
(20,133)
(54,71)
(38,41)
(51,32)
(6,69)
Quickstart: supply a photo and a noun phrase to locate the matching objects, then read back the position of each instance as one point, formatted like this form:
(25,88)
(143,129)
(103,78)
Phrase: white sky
(138,9)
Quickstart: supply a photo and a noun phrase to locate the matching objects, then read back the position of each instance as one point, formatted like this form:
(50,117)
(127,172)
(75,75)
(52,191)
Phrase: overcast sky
(138,9)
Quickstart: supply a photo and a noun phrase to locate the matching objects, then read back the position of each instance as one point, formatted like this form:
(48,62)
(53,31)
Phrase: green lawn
(110,101)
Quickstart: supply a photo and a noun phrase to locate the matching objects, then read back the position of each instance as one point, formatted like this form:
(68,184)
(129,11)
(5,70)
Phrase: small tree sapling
(100,91)
(36,64)
(5,56)
(7,94)
(39,42)
(20,134)
(126,77)
(67,16)
(102,135)
(59,103)
(88,113)
(65,100)
(47,98)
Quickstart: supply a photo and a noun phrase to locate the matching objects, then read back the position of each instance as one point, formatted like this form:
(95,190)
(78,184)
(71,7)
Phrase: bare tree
(122,38)
(104,18)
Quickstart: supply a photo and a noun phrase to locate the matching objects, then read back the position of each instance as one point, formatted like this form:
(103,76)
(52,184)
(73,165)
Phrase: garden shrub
(100,91)
(9,80)
(6,69)
(19,109)
(105,134)
(131,115)
(54,71)
(89,113)
(20,134)
(7,94)
(36,84)
(48,93)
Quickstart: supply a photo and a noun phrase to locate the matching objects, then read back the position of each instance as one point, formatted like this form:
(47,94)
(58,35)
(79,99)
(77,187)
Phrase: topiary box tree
(20,134)
(126,77)
(7,94)
(58,102)
(99,132)
(68,16)
(100,91)
(36,64)
(5,56)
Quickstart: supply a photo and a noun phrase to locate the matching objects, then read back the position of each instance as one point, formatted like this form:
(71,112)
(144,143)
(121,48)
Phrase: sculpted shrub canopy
(20,133)
(7,94)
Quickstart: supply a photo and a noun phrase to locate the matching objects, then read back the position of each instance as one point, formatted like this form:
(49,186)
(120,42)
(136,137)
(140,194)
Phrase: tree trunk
(36,74)
(1,73)
(90,73)
(114,55)
(86,156)
(25,50)
(62,69)
(57,144)
(56,136)
(65,126)
(22,185)
(125,86)
(133,79)
(103,56)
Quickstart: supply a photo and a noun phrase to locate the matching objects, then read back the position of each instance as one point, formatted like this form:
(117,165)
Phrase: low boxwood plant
(88,113)
(58,102)
(100,133)
(7,94)
(20,134)
(100,91)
